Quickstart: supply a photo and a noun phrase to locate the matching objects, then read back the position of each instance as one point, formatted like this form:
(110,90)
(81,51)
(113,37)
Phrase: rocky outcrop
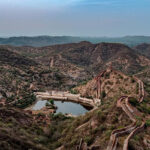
(98,82)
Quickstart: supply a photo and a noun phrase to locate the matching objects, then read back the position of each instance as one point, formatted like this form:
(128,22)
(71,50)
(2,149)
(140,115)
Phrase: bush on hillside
(103,94)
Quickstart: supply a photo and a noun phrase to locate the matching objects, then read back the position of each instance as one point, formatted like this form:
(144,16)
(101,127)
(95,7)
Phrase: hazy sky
(74,17)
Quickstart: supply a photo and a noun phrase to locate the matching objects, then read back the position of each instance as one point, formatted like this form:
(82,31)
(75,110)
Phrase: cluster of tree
(50,104)
(25,101)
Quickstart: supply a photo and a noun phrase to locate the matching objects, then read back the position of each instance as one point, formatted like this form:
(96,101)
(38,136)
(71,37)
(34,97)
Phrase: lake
(63,107)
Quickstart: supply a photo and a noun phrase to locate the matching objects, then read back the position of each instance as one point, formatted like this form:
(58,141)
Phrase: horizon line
(32,36)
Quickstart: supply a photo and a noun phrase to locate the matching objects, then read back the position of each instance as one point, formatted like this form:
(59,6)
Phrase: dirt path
(51,62)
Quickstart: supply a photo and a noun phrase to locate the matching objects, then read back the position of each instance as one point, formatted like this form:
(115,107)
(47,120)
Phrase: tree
(103,94)
(51,101)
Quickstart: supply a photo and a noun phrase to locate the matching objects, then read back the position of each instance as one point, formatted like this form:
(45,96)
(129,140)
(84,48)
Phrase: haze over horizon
(111,18)
(75,36)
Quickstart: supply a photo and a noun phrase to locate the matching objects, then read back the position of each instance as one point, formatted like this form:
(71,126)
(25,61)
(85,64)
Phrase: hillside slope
(98,56)
(116,122)
(96,129)
(75,58)
(21,76)
(23,130)
(143,49)
(111,83)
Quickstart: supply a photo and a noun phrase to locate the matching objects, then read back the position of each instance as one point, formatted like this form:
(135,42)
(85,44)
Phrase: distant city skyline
(94,18)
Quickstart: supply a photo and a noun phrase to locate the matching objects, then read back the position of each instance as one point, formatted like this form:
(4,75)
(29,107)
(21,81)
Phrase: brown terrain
(109,83)
(116,109)
(94,89)
(85,56)
(122,86)
(143,49)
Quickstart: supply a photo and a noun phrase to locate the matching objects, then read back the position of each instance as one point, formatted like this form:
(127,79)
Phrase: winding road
(123,102)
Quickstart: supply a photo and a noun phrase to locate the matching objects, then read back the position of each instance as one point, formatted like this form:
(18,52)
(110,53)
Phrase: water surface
(62,107)
(39,105)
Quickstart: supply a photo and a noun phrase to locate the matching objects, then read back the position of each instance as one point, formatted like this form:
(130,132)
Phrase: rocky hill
(143,49)
(21,76)
(98,56)
(94,130)
(116,123)
(111,84)
(63,66)
(86,57)
(19,131)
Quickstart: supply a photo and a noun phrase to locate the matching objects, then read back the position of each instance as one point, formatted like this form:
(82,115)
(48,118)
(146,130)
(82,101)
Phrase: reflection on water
(39,105)
(63,107)
(69,107)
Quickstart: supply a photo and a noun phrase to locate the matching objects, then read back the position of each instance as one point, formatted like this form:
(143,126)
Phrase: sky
(95,18)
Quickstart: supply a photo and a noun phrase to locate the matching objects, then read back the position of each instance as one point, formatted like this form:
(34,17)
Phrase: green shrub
(40,114)
(108,133)
(120,76)
(51,101)
(89,140)
(89,97)
(132,80)
(136,138)
(103,95)
(59,117)
(73,91)
(133,101)
(109,83)
(83,82)
(101,116)
(102,128)
(114,119)
(25,101)
(137,88)
(48,104)
(10,99)
(107,75)
(148,123)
